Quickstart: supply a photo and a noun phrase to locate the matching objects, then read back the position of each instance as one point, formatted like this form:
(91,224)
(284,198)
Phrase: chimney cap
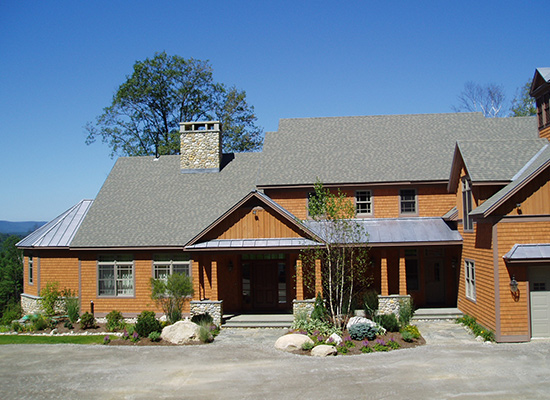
(198,126)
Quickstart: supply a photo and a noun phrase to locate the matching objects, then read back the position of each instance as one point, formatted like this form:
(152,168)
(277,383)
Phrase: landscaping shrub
(319,311)
(205,335)
(38,322)
(389,322)
(307,346)
(115,321)
(406,312)
(362,331)
(380,345)
(392,344)
(477,330)
(171,294)
(154,336)
(68,325)
(370,303)
(12,312)
(50,295)
(302,323)
(410,332)
(147,323)
(71,305)
(16,326)
(87,321)
(202,319)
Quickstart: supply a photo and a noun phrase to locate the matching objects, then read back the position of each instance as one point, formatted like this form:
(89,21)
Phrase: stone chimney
(201,146)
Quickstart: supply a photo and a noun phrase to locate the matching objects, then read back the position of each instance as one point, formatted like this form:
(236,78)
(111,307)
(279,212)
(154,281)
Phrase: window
(470,270)
(407,201)
(411,269)
(30,271)
(168,264)
(115,275)
(281,273)
(363,202)
(467,204)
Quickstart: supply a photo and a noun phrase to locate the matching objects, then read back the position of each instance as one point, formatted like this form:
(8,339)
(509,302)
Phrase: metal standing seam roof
(371,149)
(60,231)
(529,252)
(394,231)
(254,243)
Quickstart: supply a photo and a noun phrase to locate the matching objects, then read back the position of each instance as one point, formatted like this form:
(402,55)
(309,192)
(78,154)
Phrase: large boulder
(324,350)
(335,338)
(181,332)
(291,342)
(368,322)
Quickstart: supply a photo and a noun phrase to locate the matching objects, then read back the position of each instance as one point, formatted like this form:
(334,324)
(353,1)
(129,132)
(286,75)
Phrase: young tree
(489,99)
(170,294)
(344,254)
(11,272)
(144,116)
(523,104)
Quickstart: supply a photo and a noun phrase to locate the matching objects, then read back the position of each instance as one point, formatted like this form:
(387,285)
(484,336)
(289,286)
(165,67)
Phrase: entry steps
(257,320)
(437,313)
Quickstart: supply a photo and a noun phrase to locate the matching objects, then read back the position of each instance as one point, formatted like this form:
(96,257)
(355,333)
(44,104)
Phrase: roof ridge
(477,113)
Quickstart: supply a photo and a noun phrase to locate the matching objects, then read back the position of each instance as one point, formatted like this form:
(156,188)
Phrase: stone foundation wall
(31,305)
(391,304)
(301,306)
(214,308)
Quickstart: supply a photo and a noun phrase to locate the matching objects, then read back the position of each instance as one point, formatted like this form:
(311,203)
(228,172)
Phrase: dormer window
(467,204)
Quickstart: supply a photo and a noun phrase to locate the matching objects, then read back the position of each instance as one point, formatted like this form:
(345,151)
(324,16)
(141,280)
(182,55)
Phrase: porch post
(402,273)
(299,281)
(214,281)
(195,274)
(384,274)
(318,278)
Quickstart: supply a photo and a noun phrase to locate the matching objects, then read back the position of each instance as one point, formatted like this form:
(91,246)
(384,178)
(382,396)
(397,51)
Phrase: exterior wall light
(514,284)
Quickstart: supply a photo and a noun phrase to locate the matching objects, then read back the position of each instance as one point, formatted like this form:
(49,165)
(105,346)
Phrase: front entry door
(264,285)
(435,282)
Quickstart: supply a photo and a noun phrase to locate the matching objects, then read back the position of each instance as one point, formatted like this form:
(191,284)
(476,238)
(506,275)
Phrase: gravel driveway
(242,364)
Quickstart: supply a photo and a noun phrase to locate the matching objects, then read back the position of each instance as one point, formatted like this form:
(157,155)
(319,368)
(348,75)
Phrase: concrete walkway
(242,364)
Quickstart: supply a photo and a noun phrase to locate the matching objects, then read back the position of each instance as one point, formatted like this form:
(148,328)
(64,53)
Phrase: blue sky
(62,61)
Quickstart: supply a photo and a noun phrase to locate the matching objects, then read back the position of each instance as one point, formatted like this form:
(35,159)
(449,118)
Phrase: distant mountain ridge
(20,228)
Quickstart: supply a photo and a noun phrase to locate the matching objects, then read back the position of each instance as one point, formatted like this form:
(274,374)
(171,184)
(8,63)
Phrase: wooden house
(236,223)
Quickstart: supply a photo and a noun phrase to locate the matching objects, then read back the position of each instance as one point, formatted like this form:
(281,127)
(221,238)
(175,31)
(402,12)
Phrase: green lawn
(25,339)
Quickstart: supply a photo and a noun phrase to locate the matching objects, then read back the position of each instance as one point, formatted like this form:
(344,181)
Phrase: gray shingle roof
(545,73)
(60,231)
(148,203)
(497,160)
(370,149)
(403,231)
(532,168)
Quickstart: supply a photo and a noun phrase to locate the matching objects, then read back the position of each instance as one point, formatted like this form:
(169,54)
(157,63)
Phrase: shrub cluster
(477,330)
(147,323)
(308,325)
(389,322)
(115,321)
(87,321)
(362,331)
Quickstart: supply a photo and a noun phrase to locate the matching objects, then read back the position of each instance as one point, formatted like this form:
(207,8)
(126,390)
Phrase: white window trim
(467,205)
(30,264)
(369,202)
(115,262)
(408,213)
(470,279)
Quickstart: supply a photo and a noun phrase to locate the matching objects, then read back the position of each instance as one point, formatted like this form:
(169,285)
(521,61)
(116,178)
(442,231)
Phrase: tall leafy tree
(11,272)
(523,104)
(144,116)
